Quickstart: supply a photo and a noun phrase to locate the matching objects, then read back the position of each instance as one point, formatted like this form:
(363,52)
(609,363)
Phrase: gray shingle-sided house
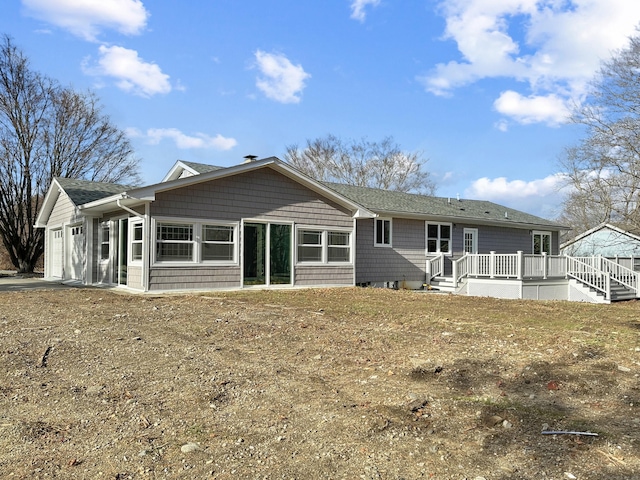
(264,224)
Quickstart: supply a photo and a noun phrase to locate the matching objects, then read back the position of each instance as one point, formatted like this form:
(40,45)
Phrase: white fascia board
(49,202)
(179,165)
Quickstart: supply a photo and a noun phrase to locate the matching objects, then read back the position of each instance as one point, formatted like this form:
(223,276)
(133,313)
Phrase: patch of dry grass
(339,383)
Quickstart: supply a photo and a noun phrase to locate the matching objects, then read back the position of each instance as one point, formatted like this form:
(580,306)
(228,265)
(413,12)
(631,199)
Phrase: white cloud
(501,188)
(132,74)
(358,8)
(86,18)
(541,197)
(550,109)
(183,141)
(561,48)
(281,80)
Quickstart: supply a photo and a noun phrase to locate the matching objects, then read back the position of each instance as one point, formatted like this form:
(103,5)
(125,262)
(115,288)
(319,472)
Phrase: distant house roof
(410,204)
(606,239)
(183,168)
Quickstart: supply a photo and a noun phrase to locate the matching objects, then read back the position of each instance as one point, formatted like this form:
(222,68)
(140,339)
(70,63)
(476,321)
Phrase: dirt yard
(316,384)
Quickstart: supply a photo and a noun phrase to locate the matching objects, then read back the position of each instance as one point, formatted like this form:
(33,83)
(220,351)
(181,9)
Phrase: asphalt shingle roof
(201,167)
(85,191)
(386,201)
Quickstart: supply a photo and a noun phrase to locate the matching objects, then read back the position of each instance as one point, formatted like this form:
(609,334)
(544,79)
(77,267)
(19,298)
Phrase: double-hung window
(382,232)
(174,242)
(438,238)
(136,241)
(309,246)
(104,241)
(323,246)
(218,243)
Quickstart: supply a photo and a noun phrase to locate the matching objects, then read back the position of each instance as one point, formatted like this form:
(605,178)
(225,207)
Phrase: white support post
(545,266)
(492,264)
(455,273)
(520,266)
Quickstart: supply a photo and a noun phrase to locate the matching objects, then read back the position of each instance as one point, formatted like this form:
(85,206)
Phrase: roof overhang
(49,202)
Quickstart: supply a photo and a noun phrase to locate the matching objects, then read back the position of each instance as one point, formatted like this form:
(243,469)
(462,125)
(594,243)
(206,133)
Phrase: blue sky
(481,87)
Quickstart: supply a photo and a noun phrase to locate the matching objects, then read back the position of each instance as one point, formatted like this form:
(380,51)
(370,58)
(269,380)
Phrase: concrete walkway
(10,282)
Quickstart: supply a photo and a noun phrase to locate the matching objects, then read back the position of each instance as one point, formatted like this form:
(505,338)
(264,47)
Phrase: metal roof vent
(250,158)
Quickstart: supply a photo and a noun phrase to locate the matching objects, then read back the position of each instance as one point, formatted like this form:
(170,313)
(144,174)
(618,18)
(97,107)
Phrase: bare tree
(47,130)
(363,162)
(603,170)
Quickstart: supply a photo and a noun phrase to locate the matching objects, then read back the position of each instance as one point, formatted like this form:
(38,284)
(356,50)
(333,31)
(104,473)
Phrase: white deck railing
(596,272)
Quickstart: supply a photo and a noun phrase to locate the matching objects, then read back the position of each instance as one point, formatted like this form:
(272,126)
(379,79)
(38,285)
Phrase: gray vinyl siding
(263,195)
(260,194)
(179,278)
(64,211)
(134,277)
(404,261)
(499,240)
(307,276)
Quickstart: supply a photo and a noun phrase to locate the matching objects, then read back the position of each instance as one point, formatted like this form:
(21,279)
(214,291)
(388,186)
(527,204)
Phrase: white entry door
(75,252)
(56,253)
(470,240)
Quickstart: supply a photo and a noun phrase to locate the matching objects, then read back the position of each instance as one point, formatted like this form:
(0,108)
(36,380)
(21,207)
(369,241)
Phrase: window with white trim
(439,238)
(218,243)
(338,247)
(323,246)
(382,232)
(174,242)
(541,243)
(136,240)
(309,246)
(104,241)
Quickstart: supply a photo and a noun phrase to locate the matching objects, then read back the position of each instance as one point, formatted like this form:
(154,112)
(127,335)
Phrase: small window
(174,243)
(309,246)
(136,241)
(438,238)
(217,243)
(104,241)
(383,232)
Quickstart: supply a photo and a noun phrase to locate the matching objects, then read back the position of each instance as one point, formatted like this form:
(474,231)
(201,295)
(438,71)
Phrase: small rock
(570,476)
(318,357)
(189,447)
(417,404)
(623,369)
(507,424)
(479,478)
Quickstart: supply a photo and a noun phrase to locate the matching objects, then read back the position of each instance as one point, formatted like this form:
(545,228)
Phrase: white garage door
(75,252)
(56,253)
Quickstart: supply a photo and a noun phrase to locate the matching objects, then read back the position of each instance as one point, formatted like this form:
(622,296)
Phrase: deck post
(545,265)
(454,272)
(520,265)
(492,264)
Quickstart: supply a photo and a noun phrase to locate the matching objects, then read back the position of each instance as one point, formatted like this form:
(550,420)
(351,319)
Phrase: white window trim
(375,232)
(426,238)
(324,245)
(541,232)
(132,221)
(197,224)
